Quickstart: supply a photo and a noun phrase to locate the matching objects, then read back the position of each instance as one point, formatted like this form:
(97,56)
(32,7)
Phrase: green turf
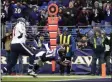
(47,78)
(35,79)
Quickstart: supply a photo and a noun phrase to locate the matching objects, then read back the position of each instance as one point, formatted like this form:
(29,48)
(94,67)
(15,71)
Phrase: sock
(36,67)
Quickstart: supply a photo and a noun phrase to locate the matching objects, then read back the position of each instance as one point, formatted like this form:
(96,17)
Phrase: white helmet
(21,20)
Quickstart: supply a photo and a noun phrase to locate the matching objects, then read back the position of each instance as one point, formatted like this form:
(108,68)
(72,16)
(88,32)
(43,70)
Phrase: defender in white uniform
(18,47)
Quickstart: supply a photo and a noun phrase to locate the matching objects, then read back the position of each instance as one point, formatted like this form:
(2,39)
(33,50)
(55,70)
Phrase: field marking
(67,80)
(43,76)
(38,79)
(46,78)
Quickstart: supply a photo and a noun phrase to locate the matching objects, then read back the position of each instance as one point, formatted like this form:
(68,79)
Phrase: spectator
(60,15)
(30,9)
(69,15)
(82,18)
(104,4)
(89,15)
(97,14)
(3,20)
(34,2)
(25,10)
(3,16)
(107,54)
(6,41)
(65,40)
(44,16)
(17,11)
(78,3)
(108,15)
(82,44)
(31,38)
(34,16)
(79,35)
(6,8)
(10,11)
(97,43)
(40,39)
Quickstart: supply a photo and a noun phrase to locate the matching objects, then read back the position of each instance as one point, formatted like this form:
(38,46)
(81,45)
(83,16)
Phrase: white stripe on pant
(27,49)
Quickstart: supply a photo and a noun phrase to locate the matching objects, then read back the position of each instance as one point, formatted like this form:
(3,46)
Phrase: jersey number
(17,10)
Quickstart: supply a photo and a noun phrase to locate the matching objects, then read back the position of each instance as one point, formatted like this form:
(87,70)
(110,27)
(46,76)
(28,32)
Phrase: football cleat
(32,73)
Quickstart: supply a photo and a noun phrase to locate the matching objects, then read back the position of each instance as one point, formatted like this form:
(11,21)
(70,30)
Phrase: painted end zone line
(23,76)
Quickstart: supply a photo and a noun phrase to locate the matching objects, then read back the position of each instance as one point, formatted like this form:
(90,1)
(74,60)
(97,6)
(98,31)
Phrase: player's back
(17,11)
(19,33)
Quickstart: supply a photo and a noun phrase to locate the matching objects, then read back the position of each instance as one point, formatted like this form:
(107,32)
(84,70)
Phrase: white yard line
(43,76)
(67,80)
(59,78)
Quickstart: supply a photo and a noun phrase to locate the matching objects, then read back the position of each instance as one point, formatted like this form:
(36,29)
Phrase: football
(67,62)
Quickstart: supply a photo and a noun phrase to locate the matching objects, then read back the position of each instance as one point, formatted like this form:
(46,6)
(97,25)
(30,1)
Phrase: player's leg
(47,57)
(107,60)
(38,63)
(93,66)
(39,59)
(42,57)
(69,65)
(62,69)
(31,53)
(12,63)
(13,58)
(101,61)
(108,65)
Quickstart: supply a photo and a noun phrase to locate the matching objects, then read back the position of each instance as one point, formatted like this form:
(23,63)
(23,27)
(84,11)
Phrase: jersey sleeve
(22,29)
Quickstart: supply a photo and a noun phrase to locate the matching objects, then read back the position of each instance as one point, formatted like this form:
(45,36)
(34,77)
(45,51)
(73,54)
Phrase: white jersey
(17,31)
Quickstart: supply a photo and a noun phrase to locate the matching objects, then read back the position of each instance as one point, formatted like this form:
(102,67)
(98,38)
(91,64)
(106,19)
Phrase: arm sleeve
(22,29)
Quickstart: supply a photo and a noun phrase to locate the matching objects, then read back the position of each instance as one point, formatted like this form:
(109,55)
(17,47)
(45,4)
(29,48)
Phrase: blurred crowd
(71,13)
(75,12)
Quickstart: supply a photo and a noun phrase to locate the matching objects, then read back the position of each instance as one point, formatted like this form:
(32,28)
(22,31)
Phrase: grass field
(48,78)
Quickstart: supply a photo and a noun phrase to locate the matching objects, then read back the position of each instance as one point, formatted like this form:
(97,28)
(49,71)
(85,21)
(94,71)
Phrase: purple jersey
(17,11)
